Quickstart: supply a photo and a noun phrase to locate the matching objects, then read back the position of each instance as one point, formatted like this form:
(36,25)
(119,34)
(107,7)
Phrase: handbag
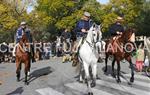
(146,62)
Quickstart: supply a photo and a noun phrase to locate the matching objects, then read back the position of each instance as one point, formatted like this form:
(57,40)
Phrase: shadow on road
(18,91)
(40,72)
(109,70)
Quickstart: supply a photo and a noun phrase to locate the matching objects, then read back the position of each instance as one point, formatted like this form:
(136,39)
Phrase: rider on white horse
(88,56)
(81,29)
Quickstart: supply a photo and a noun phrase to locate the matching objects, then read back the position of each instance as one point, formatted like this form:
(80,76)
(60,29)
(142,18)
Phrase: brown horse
(120,48)
(22,56)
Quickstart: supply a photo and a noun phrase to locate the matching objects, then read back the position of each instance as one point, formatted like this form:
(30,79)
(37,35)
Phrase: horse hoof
(26,83)
(131,79)
(80,81)
(118,81)
(113,75)
(129,83)
(90,93)
(105,70)
(93,84)
(98,78)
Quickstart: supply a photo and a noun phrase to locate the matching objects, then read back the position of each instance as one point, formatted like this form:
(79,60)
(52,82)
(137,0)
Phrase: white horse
(88,55)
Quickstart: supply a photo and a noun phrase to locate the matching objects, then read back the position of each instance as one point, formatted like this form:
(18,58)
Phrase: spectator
(140,58)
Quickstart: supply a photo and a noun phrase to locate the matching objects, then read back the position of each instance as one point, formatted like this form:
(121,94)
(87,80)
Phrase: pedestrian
(140,58)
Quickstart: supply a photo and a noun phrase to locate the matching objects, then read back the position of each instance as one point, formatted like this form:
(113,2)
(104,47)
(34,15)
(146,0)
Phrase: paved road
(52,77)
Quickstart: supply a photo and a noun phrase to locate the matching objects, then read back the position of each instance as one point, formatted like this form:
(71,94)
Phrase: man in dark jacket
(116,28)
(81,31)
(84,24)
(82,28)
(20,32)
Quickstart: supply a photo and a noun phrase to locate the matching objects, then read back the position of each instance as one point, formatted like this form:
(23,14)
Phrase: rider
(20,31)
(117,28)
(81,30)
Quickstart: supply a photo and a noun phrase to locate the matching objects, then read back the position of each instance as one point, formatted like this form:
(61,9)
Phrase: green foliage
(129,9)
(143,21)
(51,16)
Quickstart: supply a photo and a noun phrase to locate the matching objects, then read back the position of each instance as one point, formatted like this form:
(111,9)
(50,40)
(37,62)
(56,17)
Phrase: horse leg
(18,66)
(106,60)
(118,71)
(29,65)
(132,72)
(86,68)
(81,74)
(94,73)
(26,72)
(132,69)
(29,68)
(113,64)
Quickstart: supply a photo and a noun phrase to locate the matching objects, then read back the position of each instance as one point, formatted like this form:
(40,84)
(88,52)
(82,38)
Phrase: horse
(23,56)
(120,49)
(88,55)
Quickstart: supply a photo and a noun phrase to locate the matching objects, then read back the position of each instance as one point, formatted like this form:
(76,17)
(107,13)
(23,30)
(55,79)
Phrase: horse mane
(24,38)
(127,34)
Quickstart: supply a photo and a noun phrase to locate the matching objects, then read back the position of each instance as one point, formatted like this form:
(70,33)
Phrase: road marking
(140,83)
(83,88)
(138,76)
(122,88)
(48,91)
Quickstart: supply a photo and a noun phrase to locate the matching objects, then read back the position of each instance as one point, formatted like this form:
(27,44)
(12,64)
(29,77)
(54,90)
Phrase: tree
(143,20)
(129,9)
(65,13)
(7,21)
(11,14)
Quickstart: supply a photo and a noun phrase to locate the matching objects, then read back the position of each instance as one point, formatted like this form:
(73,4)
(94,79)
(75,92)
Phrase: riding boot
(32,54)
(75,59)
(100,60)
(75,55)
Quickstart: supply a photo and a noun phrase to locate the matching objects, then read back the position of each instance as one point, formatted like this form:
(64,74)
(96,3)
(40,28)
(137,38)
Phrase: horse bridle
(97,40)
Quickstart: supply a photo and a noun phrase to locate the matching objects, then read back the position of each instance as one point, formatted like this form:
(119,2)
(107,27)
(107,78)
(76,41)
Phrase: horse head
(95,33)
(24,38)
(126,36)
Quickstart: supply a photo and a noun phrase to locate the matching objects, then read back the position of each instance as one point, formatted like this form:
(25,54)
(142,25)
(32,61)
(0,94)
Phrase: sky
(30,8)
(103,1)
